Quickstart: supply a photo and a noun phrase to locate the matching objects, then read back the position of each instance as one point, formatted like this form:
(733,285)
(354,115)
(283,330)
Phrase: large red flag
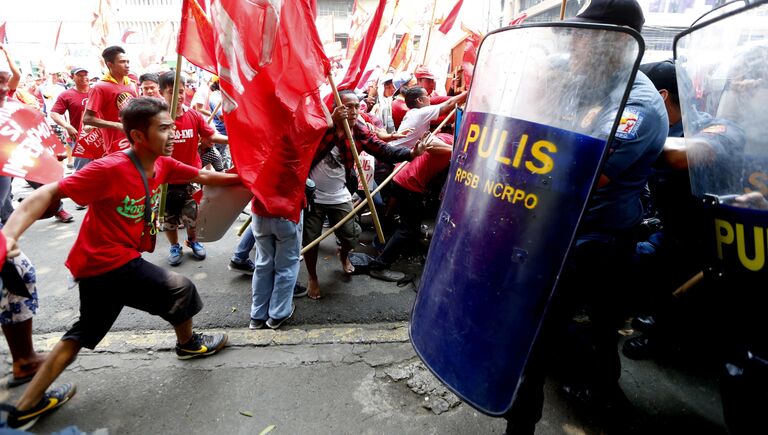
(451,18)
(28,147)
(2,33)
(271,65)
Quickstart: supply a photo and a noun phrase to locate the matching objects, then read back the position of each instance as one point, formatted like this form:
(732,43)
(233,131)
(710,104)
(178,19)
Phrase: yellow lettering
(530,201)
(474,133)
(488,188)
(520,150)
(758,180)
(458,174)
(486,152)
(475,181)
(498,189)
(499,158)
(519,194)
(756,263)
(546,161)
(724,235)
(507,193)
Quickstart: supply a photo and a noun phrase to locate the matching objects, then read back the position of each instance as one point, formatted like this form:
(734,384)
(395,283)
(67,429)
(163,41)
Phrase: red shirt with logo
(74,102)
(112,227)
(190,126)
(106,99)
(417,175)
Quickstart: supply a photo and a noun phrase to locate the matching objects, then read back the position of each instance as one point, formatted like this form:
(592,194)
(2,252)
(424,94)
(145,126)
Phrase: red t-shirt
(417,175)
(399,109)
(112,227)
(73,101)
(190,126)
(106,99)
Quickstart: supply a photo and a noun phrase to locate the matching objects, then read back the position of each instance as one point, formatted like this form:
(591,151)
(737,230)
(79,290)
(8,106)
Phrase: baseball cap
(662,75)
(619,12)
(401,79)
(78,69)
(423,72)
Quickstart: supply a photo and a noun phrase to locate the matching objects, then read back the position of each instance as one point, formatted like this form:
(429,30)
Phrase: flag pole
(174,109)
(360,172)
(429,33)
(562,9)
(359,206)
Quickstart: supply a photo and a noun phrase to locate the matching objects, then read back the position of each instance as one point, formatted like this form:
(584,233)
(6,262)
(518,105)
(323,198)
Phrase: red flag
(519,19)
(28,147)
(196,40)
(401,57)
(89,145)
(451,18)
(58,34)
(363,53)
(271,65)
(2,33)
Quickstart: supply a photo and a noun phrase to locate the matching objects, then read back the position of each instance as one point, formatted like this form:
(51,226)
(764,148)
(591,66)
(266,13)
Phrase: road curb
(164,340)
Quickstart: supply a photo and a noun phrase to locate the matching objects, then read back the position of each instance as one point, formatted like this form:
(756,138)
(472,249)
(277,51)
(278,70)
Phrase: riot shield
(722,69)
(543,103)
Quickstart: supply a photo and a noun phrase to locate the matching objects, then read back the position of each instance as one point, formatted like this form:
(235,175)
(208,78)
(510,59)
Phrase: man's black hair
(149,77)
(346,92)
(412,94)
(215,86)
(167,79)
(137,113)
(110,53)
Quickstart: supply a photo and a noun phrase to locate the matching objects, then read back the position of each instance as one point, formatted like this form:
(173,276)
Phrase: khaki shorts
(313,223)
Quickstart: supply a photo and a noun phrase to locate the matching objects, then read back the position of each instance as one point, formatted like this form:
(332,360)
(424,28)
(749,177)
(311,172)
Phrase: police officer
(592,278)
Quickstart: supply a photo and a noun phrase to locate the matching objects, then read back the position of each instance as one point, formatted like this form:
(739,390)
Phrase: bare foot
(22,369)
(313,289)
(346,265)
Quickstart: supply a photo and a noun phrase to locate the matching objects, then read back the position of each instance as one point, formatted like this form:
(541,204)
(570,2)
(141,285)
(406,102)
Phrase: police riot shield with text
(544,102)
(722,74)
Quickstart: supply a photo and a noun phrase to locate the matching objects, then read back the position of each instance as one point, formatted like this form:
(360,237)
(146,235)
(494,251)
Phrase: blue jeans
(278,242)
(243,250)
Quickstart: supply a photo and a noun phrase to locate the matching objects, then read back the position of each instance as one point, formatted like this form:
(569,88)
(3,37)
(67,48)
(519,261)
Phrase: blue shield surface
(538,119)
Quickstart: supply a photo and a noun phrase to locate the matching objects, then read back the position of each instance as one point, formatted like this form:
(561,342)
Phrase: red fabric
(73,102)
(451,18)
(29,147)
(196,36)
(106,99)
(363,53)
(2,33)
(90,145)
(278,120)
(190,127)
(401,57)
(399,109)
(417,175)
(112,227)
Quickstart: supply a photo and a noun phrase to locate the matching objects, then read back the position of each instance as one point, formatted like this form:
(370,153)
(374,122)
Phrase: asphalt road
(226,294)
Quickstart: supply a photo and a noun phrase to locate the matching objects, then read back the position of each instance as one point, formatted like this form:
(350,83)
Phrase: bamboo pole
(213,114)
(562,9)
(359,206)
(429,33)
(360,172)
(683,289)
(174,109)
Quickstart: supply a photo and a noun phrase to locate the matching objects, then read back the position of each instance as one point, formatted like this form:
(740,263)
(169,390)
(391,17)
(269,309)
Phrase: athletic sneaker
(275,323)
(247,267)
(256,324)
(201,345)
(175,256)
(299,291)
(197,249)
(53,398)
(63,216)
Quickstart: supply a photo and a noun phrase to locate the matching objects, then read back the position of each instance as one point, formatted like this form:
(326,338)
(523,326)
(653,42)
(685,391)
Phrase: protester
(106,257)
(181,207)
(108,97)
(72,102)
(421,113)
(332,171)
(149,85)
(215,99)
(425,79)
(402,82)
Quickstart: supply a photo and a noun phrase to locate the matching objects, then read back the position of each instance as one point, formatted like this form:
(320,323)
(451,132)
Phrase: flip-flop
(15,382)
(387,275)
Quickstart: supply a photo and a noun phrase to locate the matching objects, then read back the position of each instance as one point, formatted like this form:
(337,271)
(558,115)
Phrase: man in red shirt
(180,206)
(108,96)
(106,256)
(73,101)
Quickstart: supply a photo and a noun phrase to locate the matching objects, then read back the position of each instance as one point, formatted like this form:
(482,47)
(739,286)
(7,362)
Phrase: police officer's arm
(28,212)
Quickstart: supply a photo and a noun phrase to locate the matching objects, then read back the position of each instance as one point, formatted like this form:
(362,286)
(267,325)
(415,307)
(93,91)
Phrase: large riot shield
(544,101)
(722,69)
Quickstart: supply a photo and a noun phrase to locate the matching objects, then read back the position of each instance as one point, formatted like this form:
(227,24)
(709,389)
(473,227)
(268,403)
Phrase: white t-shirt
(418,120)
(330,179)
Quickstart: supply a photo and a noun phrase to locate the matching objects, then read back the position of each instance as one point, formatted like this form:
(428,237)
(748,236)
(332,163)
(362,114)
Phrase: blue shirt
(213,100)
(638,142)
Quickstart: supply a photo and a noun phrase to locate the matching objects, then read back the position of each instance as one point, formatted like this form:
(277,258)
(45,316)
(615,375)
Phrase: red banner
(29,148)
(271,65)
(90,145)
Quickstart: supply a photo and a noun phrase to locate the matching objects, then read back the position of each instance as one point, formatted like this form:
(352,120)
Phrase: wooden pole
(360,172)
(215,109)
(174,109)
(562,9)
(683,289)
(359,206)
(429,33)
